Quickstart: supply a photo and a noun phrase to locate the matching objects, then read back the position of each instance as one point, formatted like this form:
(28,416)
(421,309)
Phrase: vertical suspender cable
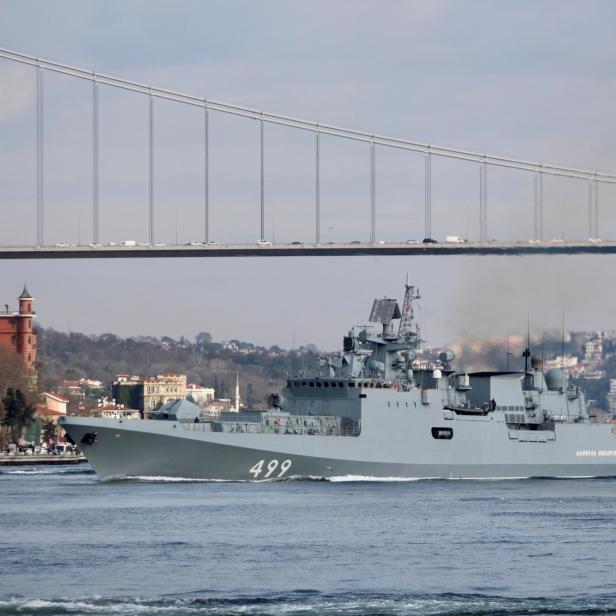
(317,186)
(151,167)
(590,206)
(596,207)
(262,183)
(540,205)
(95,165)
(428,196)
(206,171)
(372,193)
(40,235)
(485,201)
(481,239)
(536,205)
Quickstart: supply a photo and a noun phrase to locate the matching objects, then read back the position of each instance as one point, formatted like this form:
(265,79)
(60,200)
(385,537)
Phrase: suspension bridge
(596,239)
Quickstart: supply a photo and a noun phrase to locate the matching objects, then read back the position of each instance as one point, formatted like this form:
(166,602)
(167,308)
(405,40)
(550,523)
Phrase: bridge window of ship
(442,433)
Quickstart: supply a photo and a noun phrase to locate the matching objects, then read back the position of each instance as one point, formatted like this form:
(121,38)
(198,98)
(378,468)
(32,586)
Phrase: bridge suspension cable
(483,160)
(336,131)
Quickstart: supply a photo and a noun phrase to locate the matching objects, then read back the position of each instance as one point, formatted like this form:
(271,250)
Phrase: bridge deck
(307,250)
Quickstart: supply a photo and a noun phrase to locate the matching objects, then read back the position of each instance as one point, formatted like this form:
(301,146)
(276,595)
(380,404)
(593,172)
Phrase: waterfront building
(611,398)
(593,357)
(16,333)
(127,390)
(161,389)
(52,407)
(569,362)
(71,388)
(148,393)
(55,402)
(200,395)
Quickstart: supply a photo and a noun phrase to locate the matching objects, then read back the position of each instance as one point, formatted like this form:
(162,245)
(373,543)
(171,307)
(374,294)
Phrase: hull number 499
(273,466)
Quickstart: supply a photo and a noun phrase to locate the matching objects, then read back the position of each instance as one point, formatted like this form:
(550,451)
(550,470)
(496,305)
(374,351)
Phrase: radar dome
(375,365)
(556,378)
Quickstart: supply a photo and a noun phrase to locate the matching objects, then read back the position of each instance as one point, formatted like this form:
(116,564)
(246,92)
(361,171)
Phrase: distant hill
(212,364)
(264,370)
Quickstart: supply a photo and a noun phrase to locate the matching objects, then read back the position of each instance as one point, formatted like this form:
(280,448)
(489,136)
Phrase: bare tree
(14,374)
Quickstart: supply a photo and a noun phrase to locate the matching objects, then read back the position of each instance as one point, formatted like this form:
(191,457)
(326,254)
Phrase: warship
(378,409)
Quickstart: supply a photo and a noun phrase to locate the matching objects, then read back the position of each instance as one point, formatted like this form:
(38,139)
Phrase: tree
(202,339)
(250,396)
(13,373)
(49,433)
(18,414)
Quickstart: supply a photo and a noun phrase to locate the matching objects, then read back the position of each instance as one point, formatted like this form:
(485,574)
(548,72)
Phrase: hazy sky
(529,79)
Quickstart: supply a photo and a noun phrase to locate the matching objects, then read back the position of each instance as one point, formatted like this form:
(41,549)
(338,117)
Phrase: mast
(407,330)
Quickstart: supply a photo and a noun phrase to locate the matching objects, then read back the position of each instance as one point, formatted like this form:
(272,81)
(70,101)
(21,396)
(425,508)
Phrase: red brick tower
(26,338)
(16,330)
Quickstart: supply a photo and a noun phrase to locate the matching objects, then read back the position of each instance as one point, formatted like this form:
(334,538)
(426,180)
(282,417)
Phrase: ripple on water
(302,603)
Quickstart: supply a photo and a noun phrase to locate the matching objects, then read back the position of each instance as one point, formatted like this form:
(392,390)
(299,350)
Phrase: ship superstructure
(378,408)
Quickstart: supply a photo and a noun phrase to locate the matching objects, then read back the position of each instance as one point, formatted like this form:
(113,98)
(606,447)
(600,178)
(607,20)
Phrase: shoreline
(22,460)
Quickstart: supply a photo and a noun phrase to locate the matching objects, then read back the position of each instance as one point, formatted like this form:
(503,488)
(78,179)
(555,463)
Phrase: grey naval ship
(376,410)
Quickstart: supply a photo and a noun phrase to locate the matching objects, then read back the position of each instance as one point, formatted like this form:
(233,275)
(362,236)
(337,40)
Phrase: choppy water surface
(72,545)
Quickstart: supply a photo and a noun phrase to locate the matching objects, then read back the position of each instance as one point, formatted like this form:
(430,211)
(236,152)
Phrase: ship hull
(169,449)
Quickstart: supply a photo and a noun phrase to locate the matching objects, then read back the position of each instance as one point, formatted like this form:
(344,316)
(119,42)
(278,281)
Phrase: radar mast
(408,330)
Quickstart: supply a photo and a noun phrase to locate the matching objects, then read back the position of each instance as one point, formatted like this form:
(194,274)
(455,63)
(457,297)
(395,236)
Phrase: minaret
(237,392)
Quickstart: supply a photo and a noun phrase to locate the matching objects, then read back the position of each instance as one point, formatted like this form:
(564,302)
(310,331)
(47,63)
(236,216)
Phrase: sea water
(70,544)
